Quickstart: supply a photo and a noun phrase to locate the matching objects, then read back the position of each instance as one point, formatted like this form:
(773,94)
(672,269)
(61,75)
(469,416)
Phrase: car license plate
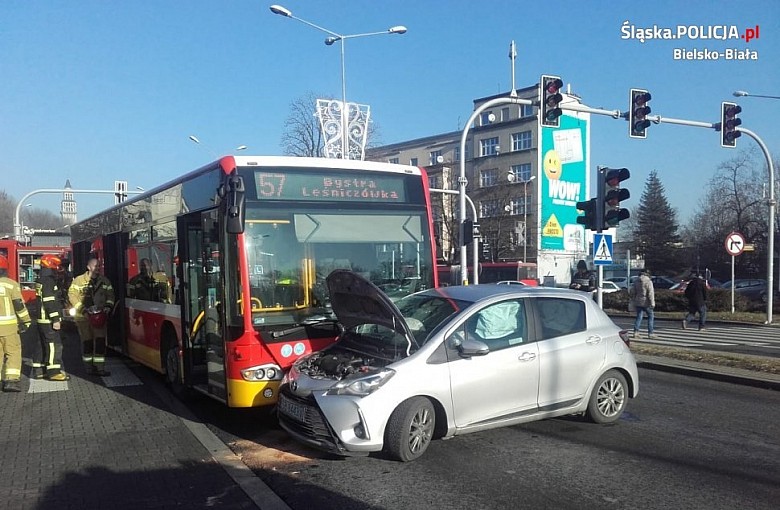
(292,409)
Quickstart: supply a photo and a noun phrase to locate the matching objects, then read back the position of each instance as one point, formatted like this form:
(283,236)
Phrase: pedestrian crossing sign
(602,249)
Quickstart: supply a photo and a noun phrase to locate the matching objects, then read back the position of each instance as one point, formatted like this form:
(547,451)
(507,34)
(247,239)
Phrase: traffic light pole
(771,238)
(462,181)
(17,220)
(657,119)
(474,252)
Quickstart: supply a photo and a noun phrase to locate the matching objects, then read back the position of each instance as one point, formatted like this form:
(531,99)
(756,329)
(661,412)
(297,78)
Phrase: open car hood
(357,301)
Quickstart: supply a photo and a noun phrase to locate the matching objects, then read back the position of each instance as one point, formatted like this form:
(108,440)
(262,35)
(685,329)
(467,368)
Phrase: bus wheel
(173,377)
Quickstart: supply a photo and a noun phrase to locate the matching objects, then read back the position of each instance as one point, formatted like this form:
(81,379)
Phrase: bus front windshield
(290,252)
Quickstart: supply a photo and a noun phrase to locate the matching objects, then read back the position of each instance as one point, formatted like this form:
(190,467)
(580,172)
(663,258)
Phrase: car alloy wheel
(410,429)
(609,397)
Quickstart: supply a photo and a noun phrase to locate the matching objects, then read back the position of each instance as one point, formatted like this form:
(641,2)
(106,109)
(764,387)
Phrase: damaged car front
(341,399)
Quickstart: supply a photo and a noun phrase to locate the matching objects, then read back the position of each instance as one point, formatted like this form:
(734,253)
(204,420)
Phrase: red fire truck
(24,263)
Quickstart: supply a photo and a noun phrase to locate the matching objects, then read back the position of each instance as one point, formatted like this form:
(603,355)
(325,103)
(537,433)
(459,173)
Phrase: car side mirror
(466,347)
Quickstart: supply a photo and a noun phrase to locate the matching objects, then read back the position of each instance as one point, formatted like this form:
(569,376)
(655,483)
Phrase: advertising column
(564,159)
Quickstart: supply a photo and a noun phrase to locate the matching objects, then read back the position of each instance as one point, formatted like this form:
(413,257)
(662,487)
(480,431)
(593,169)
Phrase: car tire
(609,398)
(410,429)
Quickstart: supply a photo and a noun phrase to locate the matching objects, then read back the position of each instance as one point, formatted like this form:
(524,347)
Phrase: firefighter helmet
(3,262)
(51,261)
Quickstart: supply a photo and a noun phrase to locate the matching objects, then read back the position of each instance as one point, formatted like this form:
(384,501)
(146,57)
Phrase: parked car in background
(621,281)
(608,287)
(753,289)
(453,360)
(662,282)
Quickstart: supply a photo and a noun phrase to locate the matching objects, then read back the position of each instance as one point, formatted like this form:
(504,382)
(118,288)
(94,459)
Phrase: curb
(756,379)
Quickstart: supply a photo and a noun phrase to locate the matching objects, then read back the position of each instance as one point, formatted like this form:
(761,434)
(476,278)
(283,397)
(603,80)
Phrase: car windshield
(424,313)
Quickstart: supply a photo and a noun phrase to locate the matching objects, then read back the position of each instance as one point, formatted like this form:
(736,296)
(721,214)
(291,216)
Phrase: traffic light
(729,123)
(593,218)
(613,194)
(467,232)
(550,100)
(638,112)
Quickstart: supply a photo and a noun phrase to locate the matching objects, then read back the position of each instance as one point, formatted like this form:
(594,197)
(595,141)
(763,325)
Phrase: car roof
(475,293)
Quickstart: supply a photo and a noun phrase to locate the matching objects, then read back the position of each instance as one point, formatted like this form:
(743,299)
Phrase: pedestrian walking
(92,298)
(14,319)
(642,295)
(696,293)
(47,361)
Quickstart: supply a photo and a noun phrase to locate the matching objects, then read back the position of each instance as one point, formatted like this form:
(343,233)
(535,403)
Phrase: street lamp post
(511,178)
(525,217)
(194,139)
(742,93)
(336,37)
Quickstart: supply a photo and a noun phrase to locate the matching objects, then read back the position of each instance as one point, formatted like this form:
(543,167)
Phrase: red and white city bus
(239,251)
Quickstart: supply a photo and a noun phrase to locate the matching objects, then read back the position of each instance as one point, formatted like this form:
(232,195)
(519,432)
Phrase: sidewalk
(114,442)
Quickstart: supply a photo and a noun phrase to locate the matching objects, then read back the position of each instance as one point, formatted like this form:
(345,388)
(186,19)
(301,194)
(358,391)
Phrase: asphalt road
(684,443)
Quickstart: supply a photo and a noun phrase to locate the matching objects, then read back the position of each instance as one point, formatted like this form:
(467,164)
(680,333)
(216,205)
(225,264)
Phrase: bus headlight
(262,373)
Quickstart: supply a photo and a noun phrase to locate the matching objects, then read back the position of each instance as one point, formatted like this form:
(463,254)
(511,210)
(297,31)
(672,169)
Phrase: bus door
(202,296)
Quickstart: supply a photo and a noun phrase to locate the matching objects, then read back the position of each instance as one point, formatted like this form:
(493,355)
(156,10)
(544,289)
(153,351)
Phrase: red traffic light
(549,100)
(553,85)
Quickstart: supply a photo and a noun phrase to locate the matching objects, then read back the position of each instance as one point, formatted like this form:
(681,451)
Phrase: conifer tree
(656,229)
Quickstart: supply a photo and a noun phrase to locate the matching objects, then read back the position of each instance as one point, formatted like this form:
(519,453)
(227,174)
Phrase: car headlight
(262,373)
(362,384)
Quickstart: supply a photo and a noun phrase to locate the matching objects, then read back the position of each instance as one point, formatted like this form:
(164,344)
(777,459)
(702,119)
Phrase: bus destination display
(329,186)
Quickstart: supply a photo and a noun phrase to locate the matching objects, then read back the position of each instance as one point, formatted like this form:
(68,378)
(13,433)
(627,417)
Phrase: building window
(457,153)
(413,161)
(434,181)
(521,141)
(526,110)
(394,161)
(488,208)
(520,173)
(518,205)
(489,146)
(434,157)
(484,118)
(488,177)
(505,114)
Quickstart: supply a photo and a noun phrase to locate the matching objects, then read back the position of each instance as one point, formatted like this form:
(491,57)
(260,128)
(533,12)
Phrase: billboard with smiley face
(564,162)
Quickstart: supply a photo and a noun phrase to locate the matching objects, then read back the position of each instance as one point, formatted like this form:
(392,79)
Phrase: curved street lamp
(742,93)
(329,41)
(197,141)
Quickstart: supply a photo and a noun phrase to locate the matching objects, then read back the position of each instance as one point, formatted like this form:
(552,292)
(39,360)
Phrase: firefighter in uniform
(14,319)
(92,298)
(49,319)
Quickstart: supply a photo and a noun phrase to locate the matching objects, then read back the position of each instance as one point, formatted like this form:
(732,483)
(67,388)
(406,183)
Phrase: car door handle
(593,340)
(527,356)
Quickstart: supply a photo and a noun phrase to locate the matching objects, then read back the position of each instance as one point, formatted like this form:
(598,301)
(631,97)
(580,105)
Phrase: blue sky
(97,91)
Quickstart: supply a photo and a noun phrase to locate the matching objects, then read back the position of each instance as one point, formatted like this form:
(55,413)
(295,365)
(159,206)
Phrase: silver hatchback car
(450,361)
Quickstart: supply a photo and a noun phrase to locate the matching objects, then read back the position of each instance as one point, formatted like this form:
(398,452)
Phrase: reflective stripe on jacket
(48,294)
(12,309)
(84,290)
